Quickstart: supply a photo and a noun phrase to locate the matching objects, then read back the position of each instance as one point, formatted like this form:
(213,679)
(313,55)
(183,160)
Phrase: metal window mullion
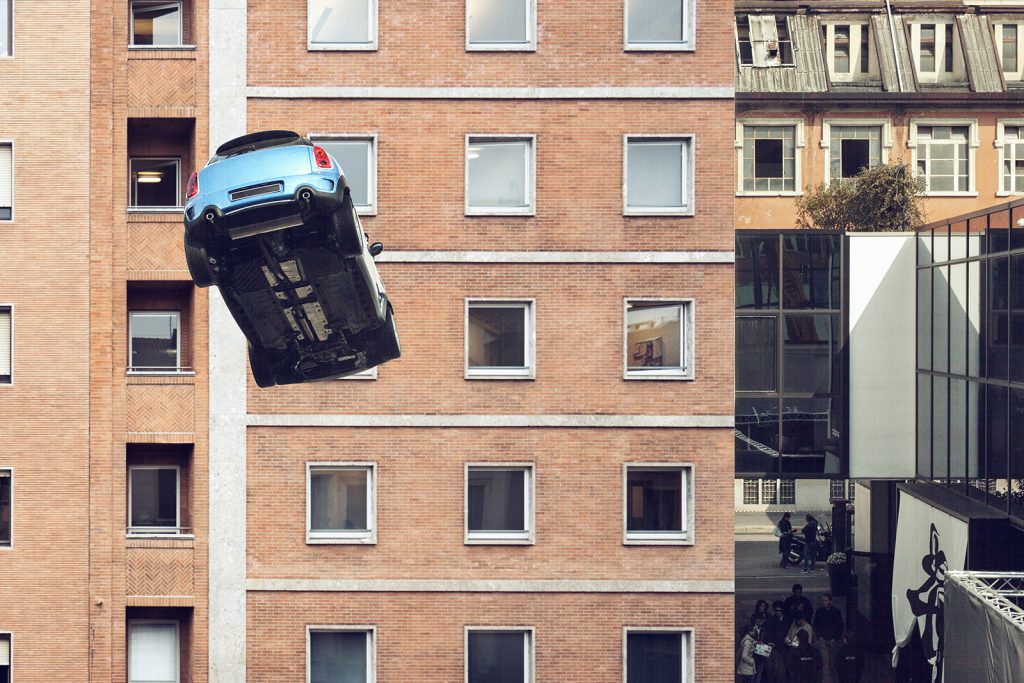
(780,370)
(949,361)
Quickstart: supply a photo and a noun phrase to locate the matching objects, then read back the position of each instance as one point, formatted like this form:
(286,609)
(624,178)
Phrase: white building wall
(812,495)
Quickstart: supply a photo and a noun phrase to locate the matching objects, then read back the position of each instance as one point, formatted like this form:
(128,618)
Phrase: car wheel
(348,233)
(198,262)
(262,372)
(389,345)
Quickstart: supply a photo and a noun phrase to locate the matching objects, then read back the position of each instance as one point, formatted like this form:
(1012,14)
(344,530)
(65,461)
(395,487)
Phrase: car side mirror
(376,248)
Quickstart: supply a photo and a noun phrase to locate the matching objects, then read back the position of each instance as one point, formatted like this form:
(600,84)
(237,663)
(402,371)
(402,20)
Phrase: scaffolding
(1001,591)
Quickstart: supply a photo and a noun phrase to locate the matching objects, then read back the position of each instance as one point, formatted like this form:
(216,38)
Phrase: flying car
(270,221)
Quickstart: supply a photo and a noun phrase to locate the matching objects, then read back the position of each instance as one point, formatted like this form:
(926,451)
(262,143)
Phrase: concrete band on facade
(491,93)
(485,586)
(495,421)
(582,257)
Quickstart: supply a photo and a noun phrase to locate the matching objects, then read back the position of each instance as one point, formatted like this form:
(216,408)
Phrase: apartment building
(822,92)
(539,486)
(148,385)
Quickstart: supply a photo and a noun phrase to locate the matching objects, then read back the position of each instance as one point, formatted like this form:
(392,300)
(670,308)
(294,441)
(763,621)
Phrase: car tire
(198,262)
(348,233)
(262,371)
(389,347)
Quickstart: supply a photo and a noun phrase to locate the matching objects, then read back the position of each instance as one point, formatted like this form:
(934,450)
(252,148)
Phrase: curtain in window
(497,21)
(339,21)
(153,653)
(338,657)
(6,173)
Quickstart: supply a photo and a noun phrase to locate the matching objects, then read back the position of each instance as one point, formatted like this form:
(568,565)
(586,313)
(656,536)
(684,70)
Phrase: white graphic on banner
(929,543)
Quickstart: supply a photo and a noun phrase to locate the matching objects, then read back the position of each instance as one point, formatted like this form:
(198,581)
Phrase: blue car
(270,221)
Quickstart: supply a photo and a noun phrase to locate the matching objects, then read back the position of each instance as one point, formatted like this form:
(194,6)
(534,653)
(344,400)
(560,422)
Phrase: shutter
(762,32)
(5,651)
(5,342)
(6,176)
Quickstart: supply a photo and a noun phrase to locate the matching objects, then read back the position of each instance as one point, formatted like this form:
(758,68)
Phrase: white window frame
(370,374)
(156,530)
(525,537)
(529,45)
(369,46)
(687,44)
(371,646)
(178,369)
(132,208)
(826,138)
(9,546)
(855,75)
(9,307)
(529,648)
(688,167)
(529,340)
(940,75)
(997,34)
(177,643)
(684,537)
(6,142)
(686,656)
(369,209)
(972,145)
(687,339)
(157,4)
(999,143)
(798,147)
(341,536)
(10,19)
(530,183)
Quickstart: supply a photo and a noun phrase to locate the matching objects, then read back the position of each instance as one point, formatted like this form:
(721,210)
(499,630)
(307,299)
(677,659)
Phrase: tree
(885,198)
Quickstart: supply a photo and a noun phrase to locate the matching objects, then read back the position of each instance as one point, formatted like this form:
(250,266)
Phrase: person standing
(810,534)
(746,667)
(848,660)
(828,629)
(804,666)
(797,598)
(784,530)
(776,626)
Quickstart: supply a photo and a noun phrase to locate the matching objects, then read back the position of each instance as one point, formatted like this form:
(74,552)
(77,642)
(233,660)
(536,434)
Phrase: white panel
(153,653)
(5,652)
(5,342)
(6,176)
(881,348)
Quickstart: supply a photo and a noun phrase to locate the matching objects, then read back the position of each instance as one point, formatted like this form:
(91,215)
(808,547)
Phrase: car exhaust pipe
(305,195)
(210,217)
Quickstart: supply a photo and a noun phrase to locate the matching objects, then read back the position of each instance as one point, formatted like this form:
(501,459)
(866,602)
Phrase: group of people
(809,533)
(794,643)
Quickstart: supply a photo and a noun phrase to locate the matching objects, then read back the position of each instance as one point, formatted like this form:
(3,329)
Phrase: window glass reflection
(811,353)
(811,271)
(757,435)
(756,353)
(757,271)
(810,435)
(924,426)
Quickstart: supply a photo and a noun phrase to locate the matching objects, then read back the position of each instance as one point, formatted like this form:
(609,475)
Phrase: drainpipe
(895,46)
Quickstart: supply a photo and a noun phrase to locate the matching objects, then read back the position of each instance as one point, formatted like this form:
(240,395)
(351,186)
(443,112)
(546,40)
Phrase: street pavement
(758,575)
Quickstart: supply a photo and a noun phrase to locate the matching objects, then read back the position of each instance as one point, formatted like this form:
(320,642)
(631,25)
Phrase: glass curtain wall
(790,361)
(970,340)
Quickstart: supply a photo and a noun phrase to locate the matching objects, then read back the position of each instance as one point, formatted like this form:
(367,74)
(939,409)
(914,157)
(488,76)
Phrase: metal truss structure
(1002,591)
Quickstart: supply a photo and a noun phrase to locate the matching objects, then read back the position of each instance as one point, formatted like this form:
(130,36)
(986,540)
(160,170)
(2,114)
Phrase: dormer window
(937,51)
(763,41)
(849,53)
(1009,38)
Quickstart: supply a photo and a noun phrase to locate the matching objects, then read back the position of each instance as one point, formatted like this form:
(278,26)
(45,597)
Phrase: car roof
(261,140)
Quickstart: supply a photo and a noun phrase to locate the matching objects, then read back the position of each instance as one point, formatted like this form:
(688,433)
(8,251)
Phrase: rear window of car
(259,144)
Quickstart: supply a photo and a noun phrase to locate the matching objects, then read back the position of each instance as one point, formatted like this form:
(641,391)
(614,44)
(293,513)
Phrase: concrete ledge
(490,93)
(582,257)
(484,586)
(494,421)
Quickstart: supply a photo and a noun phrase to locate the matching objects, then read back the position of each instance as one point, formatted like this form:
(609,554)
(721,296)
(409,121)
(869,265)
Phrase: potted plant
(838,572)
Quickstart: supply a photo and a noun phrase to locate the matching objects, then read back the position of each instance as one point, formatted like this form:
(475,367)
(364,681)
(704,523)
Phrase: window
(841,49)
(763,40)
(153,652)
(936,49)
(1008,37)
(6,345)
(499,339)
(500,25)
(944,157)
(848,48)
(751,492)
(154,341)
(657,25)
(853,148)
(837,489)
(655,655)
(768,492)
(499,655)
(357,156)
(6,509)
(499,176)
(154,499)
(5,658)
(927,49)
(6,32)
(657,503)
(342,25)
(658,173)
(6,179)
(340,654)
(658,339)
(341,505)
(155,183)
(156,23)
(499,503)
(787,492)
(768,158)
(1010,140)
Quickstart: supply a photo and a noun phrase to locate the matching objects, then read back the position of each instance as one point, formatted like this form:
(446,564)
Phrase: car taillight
(323,160)
(193,186)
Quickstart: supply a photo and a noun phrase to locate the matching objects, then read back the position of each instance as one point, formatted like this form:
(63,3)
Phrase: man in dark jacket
(797,598)
(828,631)
(810,534)
(849,662)
(804,664)
(785,539)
